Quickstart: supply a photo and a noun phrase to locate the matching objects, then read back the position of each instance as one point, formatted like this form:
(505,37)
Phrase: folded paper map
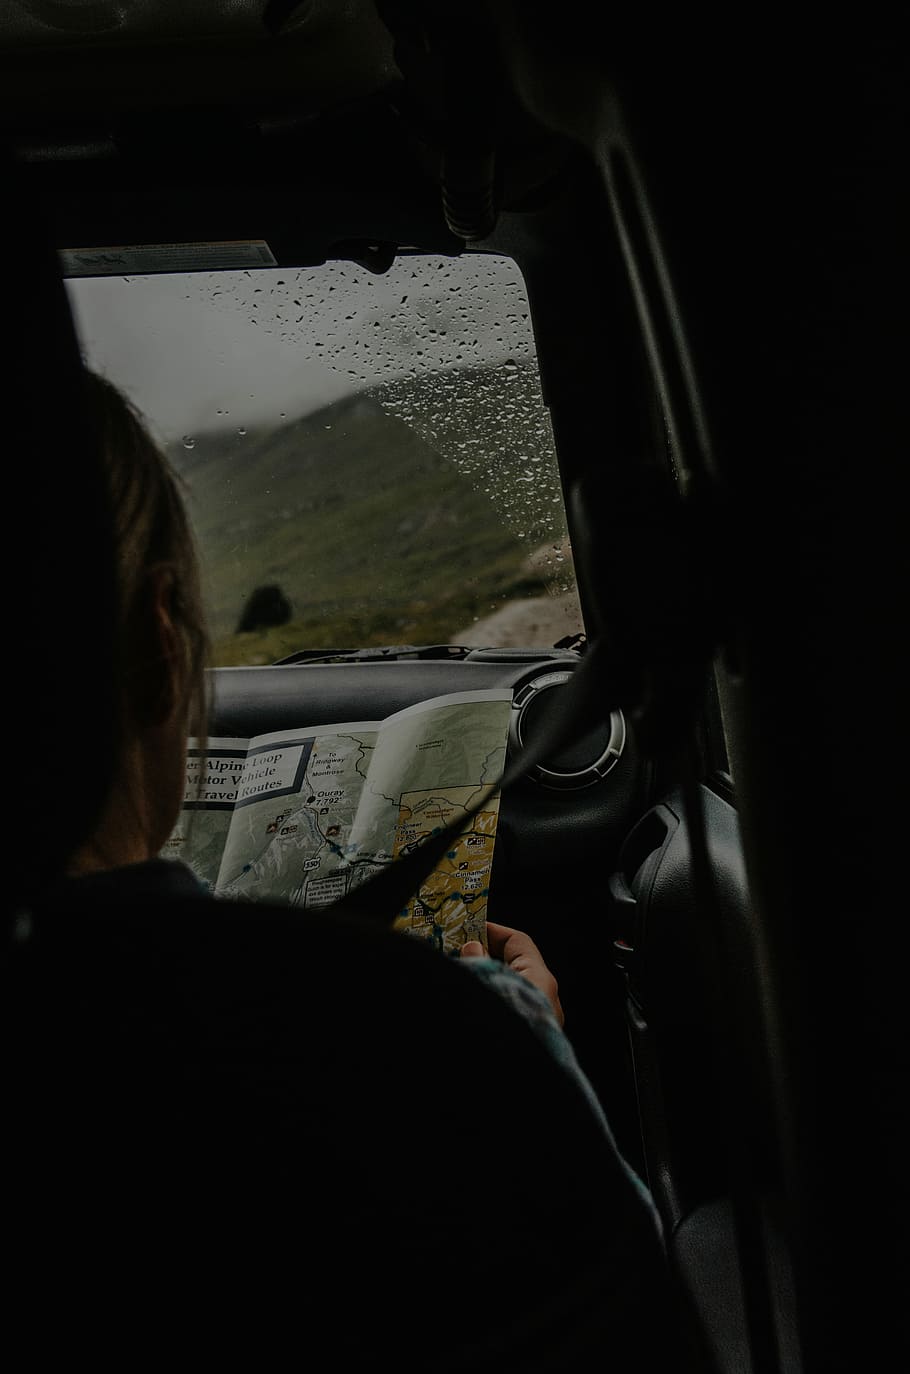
(301,817)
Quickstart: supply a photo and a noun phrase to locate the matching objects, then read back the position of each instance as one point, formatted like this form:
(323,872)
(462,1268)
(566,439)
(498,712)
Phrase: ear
(160,691)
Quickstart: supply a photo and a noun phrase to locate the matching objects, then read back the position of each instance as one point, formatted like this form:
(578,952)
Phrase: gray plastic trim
(563,779)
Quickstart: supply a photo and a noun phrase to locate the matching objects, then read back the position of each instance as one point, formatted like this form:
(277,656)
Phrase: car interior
(604,307)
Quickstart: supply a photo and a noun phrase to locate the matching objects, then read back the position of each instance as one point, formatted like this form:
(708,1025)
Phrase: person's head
(161,642)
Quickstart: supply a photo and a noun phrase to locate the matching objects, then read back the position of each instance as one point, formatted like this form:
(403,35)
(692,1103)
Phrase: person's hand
(519,953)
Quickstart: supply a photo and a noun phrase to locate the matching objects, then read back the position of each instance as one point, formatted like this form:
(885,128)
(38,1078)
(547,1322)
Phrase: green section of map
(298,849)
(198,839)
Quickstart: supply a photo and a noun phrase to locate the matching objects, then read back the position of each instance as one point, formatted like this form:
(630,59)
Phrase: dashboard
(577,804)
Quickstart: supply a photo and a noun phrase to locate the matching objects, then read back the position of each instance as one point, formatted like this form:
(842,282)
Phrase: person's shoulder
(152,880)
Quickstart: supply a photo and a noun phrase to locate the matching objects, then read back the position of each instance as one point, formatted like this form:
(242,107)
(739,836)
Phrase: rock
(266,607)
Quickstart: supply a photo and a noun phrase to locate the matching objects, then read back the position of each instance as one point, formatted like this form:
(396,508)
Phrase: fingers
(508,944)
(519,953)
(505,944)
(473,949)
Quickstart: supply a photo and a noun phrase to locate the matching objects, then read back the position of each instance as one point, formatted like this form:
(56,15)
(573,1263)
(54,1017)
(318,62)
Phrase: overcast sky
(202,350)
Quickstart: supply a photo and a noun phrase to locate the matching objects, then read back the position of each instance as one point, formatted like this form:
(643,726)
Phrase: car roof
(207,119)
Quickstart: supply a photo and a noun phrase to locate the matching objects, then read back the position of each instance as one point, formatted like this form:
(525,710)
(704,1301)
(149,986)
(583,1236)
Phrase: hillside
(365,520)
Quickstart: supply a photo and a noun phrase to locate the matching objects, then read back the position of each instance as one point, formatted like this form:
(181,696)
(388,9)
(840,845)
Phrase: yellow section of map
(451,905)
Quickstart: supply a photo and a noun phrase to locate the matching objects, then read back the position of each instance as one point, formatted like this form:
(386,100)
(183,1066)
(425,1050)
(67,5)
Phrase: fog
(204,350)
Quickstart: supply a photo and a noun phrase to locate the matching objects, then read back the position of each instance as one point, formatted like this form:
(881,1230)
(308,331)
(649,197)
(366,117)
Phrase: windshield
(368,458)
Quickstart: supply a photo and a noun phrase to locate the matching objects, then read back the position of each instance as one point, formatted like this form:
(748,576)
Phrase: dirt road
(537,623)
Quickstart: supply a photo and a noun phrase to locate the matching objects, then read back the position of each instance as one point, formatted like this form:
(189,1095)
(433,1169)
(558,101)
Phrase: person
(240,1129)
(163,651)
(161,638)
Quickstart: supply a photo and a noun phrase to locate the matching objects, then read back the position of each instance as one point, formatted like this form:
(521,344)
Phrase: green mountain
(373,534)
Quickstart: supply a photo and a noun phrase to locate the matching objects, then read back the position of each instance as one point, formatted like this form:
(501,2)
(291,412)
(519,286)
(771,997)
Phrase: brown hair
(151,531)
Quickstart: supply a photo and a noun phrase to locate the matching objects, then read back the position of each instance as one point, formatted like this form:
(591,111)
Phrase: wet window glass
(368,458)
